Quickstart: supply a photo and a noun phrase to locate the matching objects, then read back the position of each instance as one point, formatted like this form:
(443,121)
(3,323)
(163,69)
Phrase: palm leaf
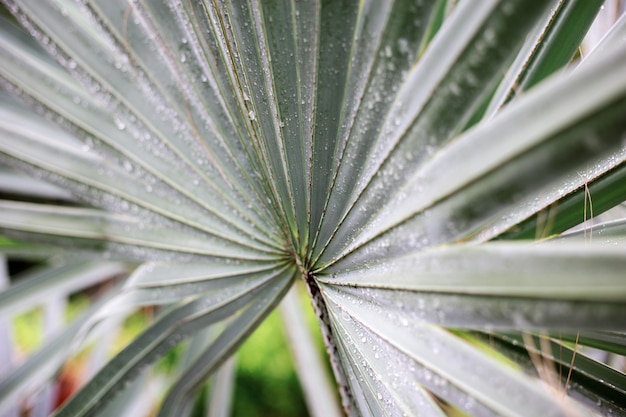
(210,152)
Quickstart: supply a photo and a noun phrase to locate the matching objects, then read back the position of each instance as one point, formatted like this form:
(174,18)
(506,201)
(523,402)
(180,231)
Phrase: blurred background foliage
(266,382)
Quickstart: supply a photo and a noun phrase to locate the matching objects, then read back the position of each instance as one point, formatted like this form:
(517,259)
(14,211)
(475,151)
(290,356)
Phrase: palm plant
(398,158)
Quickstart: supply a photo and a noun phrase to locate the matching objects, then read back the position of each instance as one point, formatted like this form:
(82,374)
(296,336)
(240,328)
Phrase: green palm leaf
(208,154)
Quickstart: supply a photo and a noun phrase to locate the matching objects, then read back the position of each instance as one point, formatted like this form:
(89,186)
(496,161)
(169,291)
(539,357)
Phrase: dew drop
(120,124)
(345,315)
(403,46)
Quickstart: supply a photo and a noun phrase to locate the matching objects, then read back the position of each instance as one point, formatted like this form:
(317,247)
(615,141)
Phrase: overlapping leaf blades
(243,144)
